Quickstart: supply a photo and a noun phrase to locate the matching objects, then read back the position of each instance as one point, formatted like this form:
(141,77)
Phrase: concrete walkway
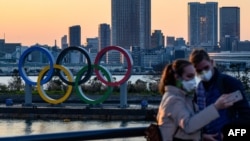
(76,111)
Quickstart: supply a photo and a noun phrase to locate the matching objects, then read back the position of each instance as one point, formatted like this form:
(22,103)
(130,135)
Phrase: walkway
(71,111)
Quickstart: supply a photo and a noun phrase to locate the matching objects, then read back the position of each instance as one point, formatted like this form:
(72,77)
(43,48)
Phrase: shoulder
(173,106)
(230,82)
(226,83)
(170,100)
(225,78)
(229,78)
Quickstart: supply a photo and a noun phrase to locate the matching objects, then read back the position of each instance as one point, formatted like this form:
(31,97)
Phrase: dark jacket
(239,112)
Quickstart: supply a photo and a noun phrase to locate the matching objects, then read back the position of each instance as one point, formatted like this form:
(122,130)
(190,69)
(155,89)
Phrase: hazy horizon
(36,21)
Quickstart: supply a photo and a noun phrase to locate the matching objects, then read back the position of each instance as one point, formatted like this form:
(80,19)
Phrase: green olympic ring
(78,89)
(87,70)
(106,93)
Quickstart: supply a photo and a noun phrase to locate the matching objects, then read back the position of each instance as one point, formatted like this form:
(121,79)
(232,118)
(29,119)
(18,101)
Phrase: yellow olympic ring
(43,94)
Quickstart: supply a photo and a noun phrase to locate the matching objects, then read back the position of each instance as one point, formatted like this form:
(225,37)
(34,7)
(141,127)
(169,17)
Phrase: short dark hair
(197,55)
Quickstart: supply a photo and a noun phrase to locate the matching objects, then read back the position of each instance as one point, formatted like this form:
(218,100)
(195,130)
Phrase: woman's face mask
(206,75)
(189,85)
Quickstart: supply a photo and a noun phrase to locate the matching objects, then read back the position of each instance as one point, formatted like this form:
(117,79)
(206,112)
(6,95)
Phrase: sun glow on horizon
(29,21)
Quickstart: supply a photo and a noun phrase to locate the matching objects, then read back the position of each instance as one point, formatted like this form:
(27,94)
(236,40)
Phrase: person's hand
(209,137)
(223,102)
(221,135)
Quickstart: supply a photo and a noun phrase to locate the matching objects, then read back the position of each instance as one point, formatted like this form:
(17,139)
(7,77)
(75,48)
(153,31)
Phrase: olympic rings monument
(56,67)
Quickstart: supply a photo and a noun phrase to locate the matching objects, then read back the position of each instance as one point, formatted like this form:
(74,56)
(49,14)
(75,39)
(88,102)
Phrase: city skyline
(30,22)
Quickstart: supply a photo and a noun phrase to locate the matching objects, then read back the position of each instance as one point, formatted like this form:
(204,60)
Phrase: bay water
(17,127)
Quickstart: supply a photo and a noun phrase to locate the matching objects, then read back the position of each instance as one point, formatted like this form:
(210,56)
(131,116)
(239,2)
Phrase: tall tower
(75,35)
(131,23)
(104,38)
(104,35)
(229,25)
(64,43)
(203,24)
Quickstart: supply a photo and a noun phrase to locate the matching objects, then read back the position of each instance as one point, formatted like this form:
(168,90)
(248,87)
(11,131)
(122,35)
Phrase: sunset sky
(44,21)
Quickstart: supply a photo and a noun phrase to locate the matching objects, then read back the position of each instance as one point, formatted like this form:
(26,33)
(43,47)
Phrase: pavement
(76,111)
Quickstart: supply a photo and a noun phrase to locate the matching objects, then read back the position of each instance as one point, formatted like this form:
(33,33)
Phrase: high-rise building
(227,43)
(104,38)
(203,24)
(75,35)
(136,56)
(64,43)
(74,40)
(179,42)
(131,23)
(229,25)
(92,46)
(170,41)
(157,39)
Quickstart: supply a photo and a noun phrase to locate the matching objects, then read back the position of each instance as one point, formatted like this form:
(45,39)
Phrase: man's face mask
(189,85)
(206,75)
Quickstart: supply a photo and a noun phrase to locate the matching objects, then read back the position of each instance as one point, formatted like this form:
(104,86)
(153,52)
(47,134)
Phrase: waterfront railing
(82,135)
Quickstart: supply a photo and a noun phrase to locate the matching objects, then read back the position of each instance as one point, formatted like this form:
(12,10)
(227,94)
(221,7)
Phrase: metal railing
(81,135)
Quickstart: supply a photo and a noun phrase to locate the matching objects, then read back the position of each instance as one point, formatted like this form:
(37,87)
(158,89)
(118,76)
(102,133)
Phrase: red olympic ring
(49,70)
(129,63)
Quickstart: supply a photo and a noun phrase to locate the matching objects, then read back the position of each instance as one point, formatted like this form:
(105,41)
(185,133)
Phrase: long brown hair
(168,73)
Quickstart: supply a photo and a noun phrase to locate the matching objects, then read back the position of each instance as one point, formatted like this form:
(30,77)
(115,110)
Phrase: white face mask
(189,85)
(206,75)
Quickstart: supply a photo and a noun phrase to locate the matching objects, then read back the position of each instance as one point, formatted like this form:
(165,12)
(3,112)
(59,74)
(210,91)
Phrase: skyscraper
(131,23)
(104,38)
(229,25)
(202,24)
(75,35)
(64,43)
(104,35)
(74,40)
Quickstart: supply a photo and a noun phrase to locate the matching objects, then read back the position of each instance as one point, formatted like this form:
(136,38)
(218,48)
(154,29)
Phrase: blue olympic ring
(21,63)
(49,70)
